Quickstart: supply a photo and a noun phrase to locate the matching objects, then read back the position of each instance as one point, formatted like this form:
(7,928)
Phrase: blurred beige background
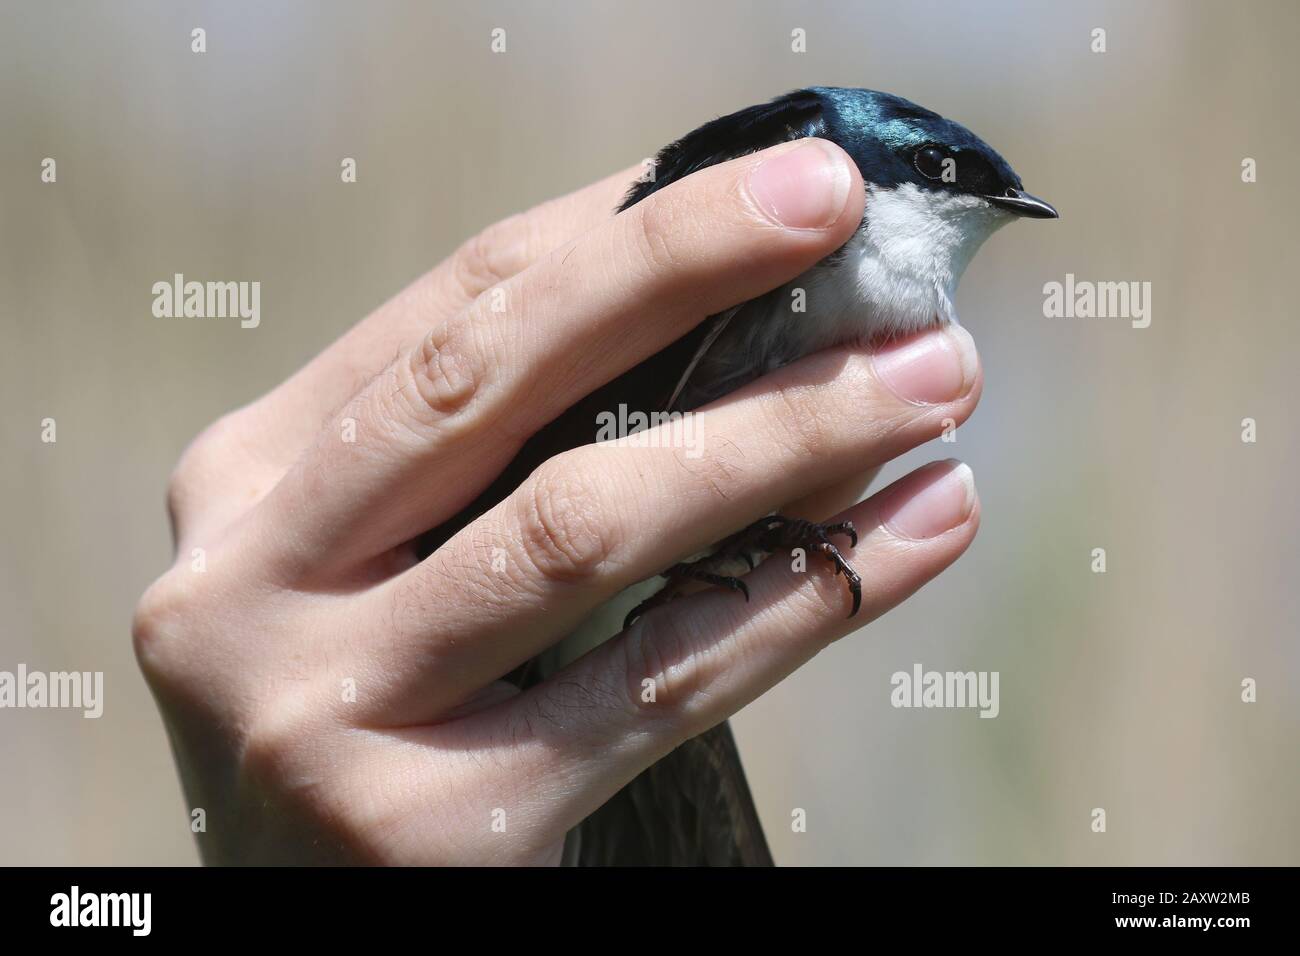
(1119,690)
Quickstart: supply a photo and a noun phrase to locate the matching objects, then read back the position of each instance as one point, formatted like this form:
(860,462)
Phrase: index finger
(293,412)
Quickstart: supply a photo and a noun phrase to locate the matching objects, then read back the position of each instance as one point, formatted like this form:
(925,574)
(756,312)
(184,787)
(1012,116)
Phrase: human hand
(331,698)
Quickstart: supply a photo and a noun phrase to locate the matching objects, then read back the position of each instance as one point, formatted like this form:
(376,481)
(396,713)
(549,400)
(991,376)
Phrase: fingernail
(806,187)
(931,368)
(943,500)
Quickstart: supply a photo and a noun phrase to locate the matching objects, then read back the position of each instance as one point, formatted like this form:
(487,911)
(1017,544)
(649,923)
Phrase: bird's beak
(1022,204)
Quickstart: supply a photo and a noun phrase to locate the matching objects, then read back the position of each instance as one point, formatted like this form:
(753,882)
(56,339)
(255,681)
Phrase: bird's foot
(678,575)
(767,535)
(779,533)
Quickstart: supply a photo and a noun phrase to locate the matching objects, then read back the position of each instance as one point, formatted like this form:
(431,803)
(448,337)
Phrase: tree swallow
(935,192)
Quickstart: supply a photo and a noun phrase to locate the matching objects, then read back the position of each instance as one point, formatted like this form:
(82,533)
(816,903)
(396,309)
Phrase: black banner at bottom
(336,906)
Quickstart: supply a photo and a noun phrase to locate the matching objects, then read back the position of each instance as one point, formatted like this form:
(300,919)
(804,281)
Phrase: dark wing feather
(693,806)
(746,131)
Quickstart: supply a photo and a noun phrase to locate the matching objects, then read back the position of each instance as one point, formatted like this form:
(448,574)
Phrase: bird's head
(935,192)
(897,143)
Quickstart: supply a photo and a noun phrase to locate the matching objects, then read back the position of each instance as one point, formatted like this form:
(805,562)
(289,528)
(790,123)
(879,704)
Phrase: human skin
(331,698)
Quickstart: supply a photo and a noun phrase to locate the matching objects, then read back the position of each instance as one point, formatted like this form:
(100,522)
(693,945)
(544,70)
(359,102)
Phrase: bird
(935,193)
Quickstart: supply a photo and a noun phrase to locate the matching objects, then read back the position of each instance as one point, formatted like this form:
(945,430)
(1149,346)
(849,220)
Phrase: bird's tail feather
(692,808)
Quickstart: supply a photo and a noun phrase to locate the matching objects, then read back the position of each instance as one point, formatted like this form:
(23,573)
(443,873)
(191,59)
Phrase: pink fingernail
(805,187)
(940,498)
(931,368)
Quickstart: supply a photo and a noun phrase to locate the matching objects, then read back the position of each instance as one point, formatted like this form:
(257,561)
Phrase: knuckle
(214,443)
(661,653)
(273,745)
(229,463)
(562,534)
(492,256)
(159,618)
(446,372)
(207,447)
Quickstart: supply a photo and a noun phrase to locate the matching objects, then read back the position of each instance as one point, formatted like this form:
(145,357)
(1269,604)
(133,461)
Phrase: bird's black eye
(929,161)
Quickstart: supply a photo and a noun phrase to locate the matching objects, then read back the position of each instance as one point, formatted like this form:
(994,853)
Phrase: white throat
(897,275)
(912,248)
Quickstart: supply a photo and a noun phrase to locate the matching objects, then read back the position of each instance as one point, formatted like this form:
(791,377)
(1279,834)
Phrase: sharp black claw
(821,535)
(845,528)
